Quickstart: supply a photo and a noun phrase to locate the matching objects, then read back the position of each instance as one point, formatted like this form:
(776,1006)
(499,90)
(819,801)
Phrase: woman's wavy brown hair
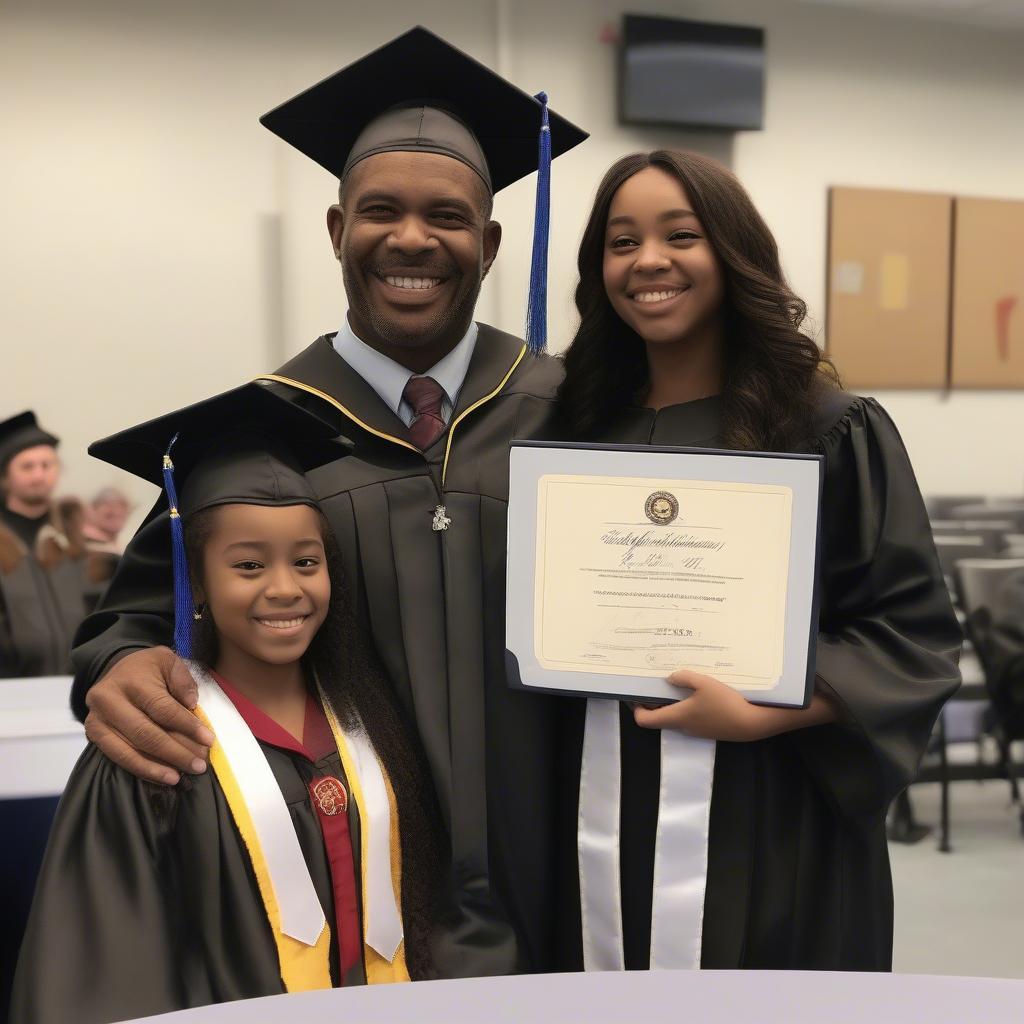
(771,371)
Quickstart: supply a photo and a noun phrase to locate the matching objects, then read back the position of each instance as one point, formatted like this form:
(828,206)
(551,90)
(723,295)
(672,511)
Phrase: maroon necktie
(425,396)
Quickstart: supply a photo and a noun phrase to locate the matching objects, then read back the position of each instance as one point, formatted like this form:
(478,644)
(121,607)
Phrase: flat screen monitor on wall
(691,73)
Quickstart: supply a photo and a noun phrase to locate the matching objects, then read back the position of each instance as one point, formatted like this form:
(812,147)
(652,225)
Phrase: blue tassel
(537,309)
(183,606)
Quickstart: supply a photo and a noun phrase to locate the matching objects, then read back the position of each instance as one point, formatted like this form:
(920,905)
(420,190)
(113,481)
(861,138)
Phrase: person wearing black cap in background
(275,871)
(46,580)
(421,137)
(43,572)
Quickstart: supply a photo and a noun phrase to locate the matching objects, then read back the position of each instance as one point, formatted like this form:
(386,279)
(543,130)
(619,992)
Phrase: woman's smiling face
(661,274)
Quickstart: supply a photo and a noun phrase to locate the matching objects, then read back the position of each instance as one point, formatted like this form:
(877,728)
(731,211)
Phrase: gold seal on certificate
(618,576)
(661,507)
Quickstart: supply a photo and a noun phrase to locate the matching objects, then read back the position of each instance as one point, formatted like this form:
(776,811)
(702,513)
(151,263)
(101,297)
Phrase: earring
(198,613)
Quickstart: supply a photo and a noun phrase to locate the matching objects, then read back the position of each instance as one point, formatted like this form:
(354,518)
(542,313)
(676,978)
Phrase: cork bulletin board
(988,294)
(887,319)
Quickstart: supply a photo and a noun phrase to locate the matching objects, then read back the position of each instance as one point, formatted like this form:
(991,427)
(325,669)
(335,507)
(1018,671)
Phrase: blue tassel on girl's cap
(183,605)
(537,308)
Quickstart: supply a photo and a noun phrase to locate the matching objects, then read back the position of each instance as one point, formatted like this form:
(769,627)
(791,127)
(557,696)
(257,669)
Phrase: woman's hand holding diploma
(715,711)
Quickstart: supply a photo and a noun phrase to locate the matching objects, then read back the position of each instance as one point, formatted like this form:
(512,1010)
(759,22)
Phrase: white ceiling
(994,14)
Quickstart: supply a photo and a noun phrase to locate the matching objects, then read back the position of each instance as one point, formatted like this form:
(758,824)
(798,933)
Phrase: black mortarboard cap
(21,432)
(419,93)
(246,446)
(421,69)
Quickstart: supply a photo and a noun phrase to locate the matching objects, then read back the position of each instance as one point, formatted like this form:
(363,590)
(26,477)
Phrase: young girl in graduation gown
(306,856)
(689,336)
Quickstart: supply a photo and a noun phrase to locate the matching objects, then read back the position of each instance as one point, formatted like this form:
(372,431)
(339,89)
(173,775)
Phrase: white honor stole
(681,845)
(274,847)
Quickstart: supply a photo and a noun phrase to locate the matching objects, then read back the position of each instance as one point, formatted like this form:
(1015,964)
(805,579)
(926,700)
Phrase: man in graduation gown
(430,401)
(43,569)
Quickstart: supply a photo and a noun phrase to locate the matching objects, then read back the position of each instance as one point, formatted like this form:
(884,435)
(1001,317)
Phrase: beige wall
(158,244)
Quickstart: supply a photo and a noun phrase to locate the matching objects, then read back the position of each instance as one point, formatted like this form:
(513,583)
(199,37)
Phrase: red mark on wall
(1004,307)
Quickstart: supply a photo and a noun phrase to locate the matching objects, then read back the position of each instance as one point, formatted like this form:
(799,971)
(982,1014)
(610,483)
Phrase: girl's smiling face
(660,272)
(265,581)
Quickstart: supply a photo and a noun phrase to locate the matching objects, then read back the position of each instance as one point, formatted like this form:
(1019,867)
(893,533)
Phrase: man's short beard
(456,316)
(34,500)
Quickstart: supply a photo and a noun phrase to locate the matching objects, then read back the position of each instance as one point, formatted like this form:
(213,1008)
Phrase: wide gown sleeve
(102,933)
(136,611)
(889,641)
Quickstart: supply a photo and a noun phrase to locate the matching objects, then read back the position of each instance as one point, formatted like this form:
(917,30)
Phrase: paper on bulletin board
(889,287)
(894,277)
(849,278)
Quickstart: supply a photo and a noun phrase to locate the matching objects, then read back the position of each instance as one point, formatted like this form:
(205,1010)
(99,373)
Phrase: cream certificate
(640,576)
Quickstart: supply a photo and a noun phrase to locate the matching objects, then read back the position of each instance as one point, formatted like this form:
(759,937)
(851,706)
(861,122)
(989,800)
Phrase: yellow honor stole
(301,933)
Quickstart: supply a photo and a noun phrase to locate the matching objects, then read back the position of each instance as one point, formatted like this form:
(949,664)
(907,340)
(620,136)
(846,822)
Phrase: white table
(40,741)
(710,997)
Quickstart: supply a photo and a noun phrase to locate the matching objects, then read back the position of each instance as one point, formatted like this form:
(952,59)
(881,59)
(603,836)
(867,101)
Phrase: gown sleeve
(888,641)
(136,611)
(100,944)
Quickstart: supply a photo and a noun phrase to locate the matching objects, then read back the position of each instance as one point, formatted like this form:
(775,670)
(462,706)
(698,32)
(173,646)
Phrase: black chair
(988,583)
(953,547)
(1014,546)
(993,596)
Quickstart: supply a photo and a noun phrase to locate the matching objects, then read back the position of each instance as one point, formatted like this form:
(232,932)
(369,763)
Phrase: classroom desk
(711,997)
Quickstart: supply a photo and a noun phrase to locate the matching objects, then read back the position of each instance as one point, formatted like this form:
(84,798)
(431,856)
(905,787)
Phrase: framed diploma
(627,563)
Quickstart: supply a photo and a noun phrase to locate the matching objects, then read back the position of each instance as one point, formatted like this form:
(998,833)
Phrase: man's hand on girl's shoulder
(140,717)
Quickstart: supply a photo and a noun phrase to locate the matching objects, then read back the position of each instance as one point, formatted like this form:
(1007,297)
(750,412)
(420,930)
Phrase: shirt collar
(317,741)
(389,378)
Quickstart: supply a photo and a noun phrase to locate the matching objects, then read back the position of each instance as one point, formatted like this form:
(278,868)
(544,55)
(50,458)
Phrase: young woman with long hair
(690,336)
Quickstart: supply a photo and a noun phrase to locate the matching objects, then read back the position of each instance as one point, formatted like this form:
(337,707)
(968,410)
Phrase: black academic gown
(40,607)
(435,603)
(798,868)
(147,901)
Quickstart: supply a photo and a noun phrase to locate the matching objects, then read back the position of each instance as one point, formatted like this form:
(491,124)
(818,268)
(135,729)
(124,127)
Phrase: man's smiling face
(415,241)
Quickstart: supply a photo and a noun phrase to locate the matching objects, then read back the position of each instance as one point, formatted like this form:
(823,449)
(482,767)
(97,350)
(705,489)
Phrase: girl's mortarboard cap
(246,446)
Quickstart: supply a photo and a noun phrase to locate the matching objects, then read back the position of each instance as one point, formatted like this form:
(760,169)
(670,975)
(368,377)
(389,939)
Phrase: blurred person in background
(105,517)
(45,573)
